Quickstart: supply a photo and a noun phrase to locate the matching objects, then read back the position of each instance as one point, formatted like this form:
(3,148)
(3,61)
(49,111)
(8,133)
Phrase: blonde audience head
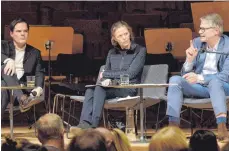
(116,139)
(169,139)
(108,138)
(120,140)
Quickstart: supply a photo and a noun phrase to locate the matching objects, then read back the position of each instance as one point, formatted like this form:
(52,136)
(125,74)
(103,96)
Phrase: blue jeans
(216,90)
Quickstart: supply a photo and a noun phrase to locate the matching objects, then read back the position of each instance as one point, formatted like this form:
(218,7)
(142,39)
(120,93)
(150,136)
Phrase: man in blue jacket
(204,75)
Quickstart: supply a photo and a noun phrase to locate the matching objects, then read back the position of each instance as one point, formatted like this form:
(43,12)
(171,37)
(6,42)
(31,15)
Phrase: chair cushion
(204,103)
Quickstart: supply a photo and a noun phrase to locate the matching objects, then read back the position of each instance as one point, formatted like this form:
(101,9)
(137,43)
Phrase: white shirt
(19,57)
(210,64)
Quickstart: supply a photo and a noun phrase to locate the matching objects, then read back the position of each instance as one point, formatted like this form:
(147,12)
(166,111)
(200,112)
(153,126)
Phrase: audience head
(120,140)
(169,139)
(225,147)
(89,140)
(50,127)
(121,34)
(108,137)
(203,140)
(18,144)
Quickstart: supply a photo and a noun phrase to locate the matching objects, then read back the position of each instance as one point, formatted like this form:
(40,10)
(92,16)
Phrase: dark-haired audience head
(169,139)
(50,130)
(89,140)
(19,144)
(203,140)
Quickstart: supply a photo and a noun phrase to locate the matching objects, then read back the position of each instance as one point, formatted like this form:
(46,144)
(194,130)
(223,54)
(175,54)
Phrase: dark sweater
(131,62)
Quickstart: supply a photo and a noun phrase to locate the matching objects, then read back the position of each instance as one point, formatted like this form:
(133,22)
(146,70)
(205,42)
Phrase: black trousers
(94,102)
(7,80)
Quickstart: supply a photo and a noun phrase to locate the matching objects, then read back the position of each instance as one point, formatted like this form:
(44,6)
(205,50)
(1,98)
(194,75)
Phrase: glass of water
(30,81)
(124,79)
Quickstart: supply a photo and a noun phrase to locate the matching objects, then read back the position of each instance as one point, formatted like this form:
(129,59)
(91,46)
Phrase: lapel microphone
(202,50)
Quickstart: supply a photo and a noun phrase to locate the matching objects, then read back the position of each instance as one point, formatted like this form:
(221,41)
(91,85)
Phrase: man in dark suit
(18,60)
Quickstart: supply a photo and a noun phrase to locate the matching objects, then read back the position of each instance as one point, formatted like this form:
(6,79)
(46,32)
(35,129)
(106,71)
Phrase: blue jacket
(222,60)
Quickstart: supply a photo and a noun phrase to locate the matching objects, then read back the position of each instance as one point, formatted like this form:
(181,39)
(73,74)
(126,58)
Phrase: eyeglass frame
(204,29)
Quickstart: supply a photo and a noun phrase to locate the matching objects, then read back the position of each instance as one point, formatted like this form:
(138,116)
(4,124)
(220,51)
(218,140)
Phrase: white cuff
(8,59)
(187,66)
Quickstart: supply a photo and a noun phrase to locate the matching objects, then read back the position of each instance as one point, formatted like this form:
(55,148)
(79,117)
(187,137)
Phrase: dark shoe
(84,125)
(27,102)
(222,133)
(80,127)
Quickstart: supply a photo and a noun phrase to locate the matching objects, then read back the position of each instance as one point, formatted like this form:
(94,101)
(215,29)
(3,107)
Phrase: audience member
(51,132)
(225,147)
(108,138)
(169,139)
(90,140)
(19,145)
(203,140)
(120,140)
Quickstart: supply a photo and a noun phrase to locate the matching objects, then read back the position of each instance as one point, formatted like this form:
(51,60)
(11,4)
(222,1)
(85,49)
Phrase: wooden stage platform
(24,132)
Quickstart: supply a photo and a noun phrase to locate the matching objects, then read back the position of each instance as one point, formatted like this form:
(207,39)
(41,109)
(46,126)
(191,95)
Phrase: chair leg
(62,108)
(68,125)
(104,119)
(158,111)
(190,114)
(35,120)
(136,122)
(165,117)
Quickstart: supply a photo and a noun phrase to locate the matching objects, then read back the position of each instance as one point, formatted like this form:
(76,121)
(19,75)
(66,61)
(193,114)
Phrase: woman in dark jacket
(126,57)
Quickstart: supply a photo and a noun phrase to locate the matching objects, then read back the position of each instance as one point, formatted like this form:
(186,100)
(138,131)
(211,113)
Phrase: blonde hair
(120,140)
(117,25)
(168,139)
(215,20)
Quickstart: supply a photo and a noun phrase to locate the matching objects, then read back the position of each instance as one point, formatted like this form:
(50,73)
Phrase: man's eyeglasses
(202,29)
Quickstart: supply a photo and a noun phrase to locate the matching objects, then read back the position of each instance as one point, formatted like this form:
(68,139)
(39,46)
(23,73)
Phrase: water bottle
(130,130)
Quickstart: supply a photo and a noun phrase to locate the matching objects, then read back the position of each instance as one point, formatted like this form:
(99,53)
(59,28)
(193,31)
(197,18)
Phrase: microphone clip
(49,44)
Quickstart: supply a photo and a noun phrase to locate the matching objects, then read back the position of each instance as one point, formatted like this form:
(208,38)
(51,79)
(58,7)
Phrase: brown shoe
(27,102)
(222,133)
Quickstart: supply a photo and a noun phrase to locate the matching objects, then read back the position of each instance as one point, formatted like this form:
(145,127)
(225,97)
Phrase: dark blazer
(32,62)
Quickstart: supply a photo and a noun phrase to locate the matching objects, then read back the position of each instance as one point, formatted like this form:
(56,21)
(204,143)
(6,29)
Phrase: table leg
(142,138)
(11,113)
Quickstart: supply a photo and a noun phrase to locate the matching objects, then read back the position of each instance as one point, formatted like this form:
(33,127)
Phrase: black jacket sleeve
(39,72)
(4,51)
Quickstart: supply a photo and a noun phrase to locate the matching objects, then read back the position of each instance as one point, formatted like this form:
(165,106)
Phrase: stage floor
(24,132)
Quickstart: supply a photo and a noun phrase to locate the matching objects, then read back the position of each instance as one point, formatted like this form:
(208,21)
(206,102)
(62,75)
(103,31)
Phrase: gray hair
(215,20)
(49,126)
(117,25)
